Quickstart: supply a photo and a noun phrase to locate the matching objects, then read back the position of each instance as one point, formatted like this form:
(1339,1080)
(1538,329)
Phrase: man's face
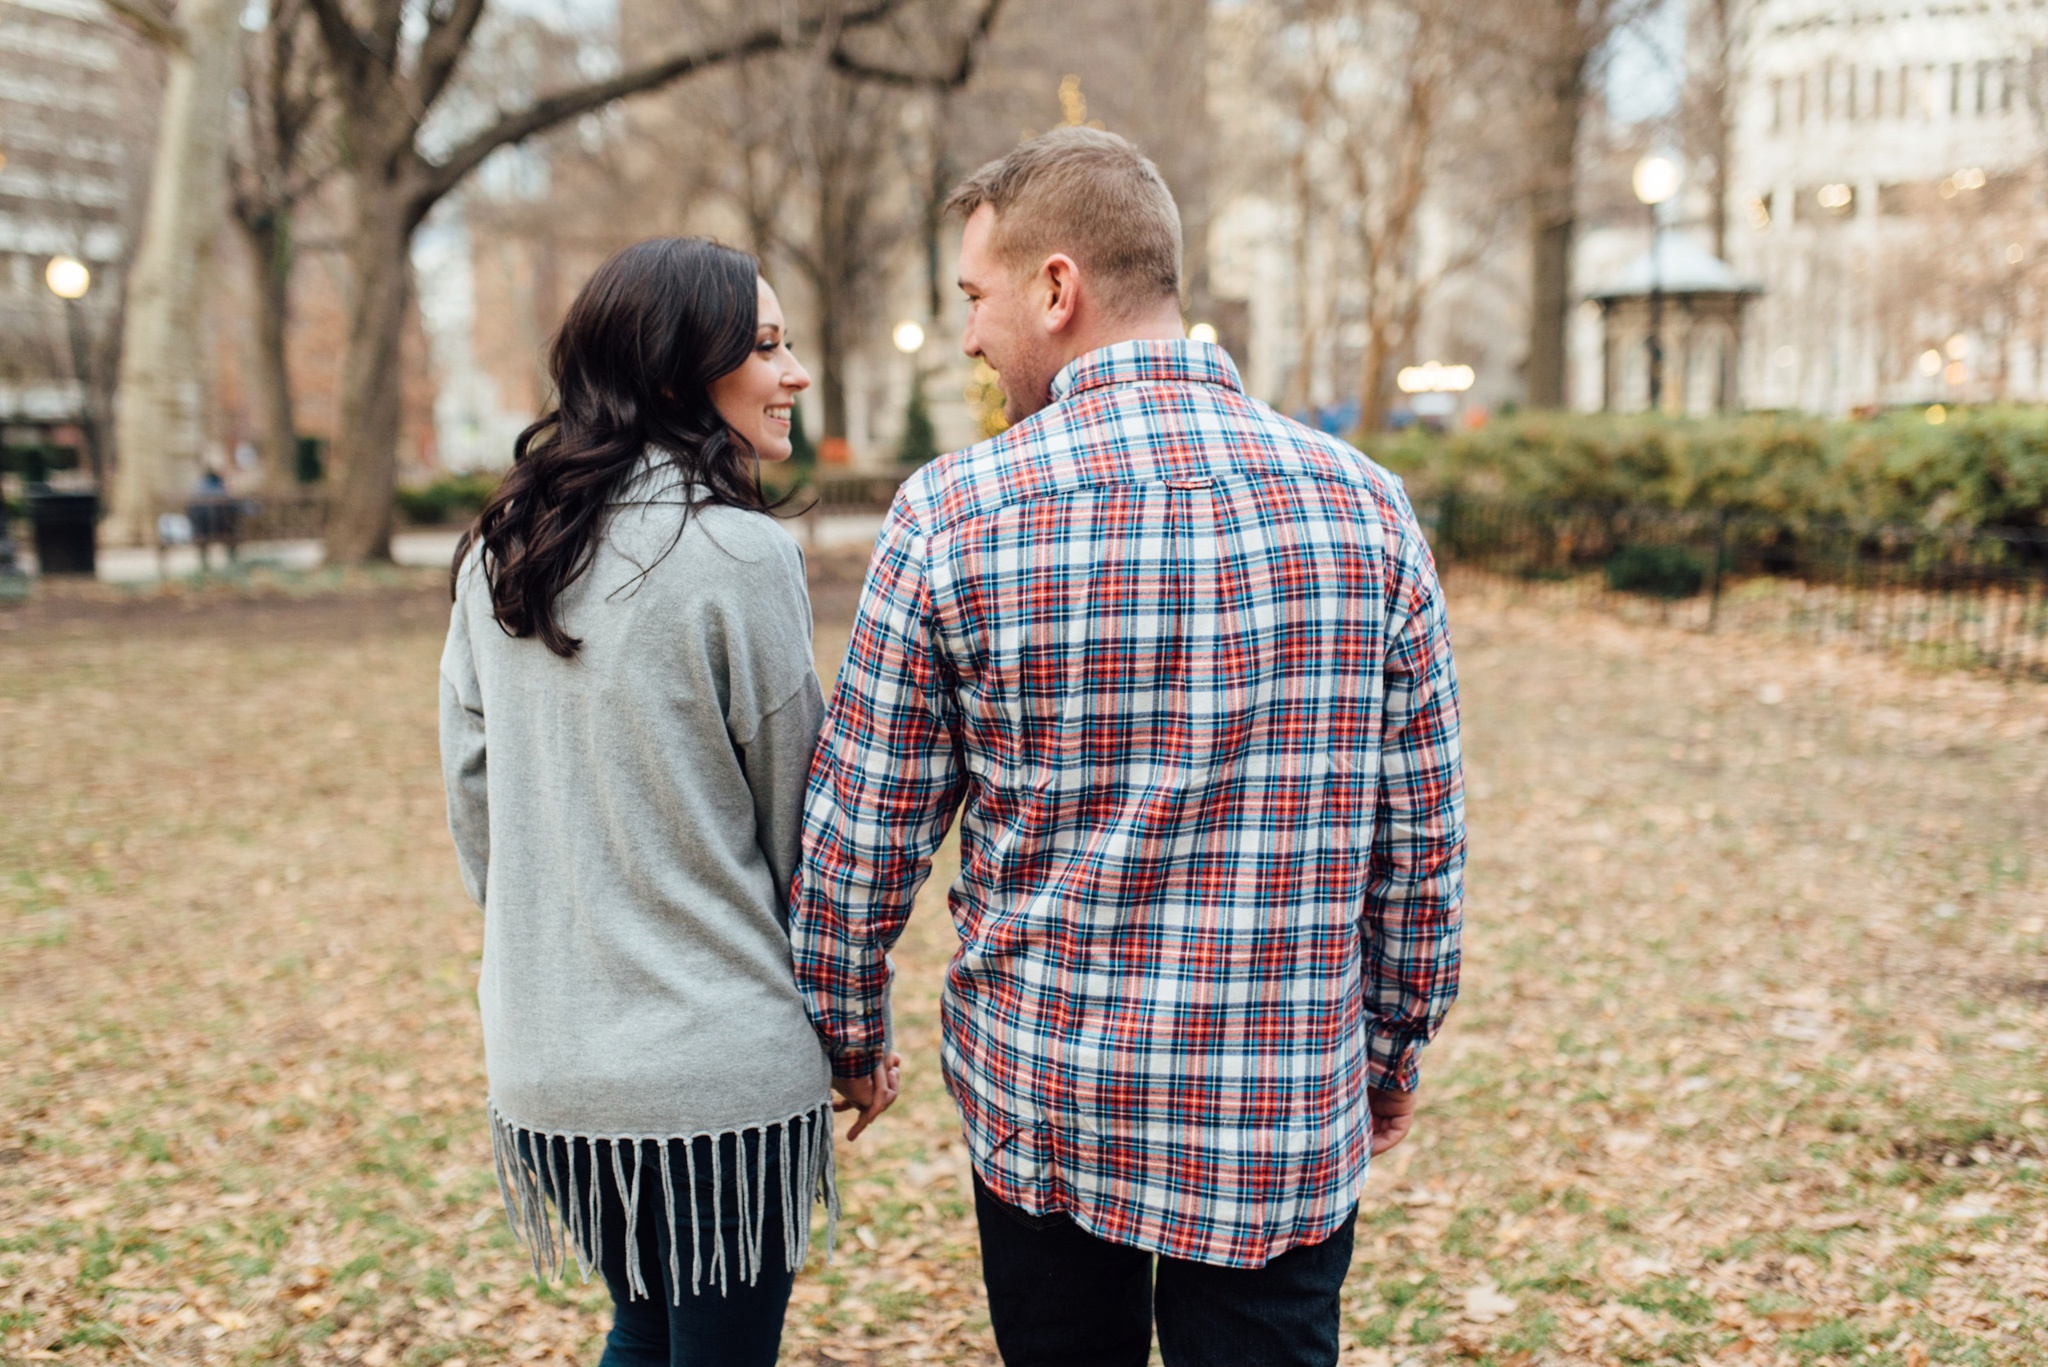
(1006,323)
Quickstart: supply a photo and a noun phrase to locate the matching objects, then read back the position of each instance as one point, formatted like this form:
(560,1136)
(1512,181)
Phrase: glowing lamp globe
(1655,180)
(67,277)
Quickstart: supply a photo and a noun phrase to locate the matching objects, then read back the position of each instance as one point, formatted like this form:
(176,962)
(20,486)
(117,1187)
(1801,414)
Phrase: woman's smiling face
(758,399)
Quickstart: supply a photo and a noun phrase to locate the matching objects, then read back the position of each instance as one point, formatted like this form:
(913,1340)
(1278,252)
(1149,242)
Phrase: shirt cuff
(1393,1063)
(858,1065)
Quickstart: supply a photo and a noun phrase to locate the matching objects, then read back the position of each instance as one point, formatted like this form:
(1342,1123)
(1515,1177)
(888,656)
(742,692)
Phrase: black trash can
(67,531)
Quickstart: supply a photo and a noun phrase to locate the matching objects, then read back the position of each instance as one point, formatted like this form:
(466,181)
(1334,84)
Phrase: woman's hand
(870,1095)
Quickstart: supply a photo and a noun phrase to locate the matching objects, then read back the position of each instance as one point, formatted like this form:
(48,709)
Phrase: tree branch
(148,21)
(435,179)
(441,50)
(345,43)
(950,79)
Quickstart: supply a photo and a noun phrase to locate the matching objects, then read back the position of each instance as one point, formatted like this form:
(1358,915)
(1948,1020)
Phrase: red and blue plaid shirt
(1185,662)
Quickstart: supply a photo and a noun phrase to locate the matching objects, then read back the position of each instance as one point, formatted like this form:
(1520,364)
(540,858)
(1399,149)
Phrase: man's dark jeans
(1060,1297)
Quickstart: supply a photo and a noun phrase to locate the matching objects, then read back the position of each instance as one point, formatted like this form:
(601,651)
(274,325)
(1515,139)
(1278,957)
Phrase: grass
(1748,1069)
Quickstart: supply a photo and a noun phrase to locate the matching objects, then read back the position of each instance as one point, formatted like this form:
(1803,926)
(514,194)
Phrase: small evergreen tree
(920,442)
(803,457)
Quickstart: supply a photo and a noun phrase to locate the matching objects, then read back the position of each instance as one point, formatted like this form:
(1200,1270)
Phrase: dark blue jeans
(671,1326)
(1060,1297)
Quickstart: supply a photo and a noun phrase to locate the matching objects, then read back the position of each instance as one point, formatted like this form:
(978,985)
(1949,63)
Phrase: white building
(1883,156)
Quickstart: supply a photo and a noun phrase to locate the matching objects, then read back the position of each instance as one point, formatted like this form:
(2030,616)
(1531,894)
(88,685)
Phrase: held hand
(1393,1115)
(870,1095)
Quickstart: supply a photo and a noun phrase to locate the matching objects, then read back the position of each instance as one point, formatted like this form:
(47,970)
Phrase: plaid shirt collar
(1176,362)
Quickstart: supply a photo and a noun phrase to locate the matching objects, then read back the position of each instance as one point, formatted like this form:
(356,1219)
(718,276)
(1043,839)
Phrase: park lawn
(1749,1066)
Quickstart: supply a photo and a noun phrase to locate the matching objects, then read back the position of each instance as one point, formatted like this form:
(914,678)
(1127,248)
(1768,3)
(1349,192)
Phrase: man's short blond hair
(1092,196)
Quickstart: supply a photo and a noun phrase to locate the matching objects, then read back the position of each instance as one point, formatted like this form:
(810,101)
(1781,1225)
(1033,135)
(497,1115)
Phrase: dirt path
(1749,1068)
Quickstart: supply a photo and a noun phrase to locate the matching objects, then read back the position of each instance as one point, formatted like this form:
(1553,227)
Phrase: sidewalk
(430,547)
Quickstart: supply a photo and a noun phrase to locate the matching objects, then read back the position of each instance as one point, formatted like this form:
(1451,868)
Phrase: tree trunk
(1553,221)
(1372,380)
(270,265)
(830,278)
(365,450)
(832,361)
(160,400)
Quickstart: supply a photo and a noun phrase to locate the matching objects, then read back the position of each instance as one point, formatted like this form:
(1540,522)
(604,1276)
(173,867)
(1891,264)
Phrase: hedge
(1983,467)
(452,498)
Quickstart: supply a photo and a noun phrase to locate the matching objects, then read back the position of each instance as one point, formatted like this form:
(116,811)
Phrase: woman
(628,710)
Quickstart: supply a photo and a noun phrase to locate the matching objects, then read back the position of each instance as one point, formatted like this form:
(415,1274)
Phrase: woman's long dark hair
(632,366)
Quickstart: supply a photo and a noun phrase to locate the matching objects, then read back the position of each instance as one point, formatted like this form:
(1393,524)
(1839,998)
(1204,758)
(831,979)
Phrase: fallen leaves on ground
(1748,1069)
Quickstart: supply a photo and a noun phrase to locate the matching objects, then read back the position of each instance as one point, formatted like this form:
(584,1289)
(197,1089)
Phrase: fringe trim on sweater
(572,1222)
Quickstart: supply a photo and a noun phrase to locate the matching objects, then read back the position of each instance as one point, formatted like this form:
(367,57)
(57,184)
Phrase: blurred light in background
(1930,362)
(2015,253)
(1784,356)
(1655,180)
(1937,415)
(1434,377)
(67,277)
(909,337)
(1957,373)
(1202,332)
(1837,196)
(1958,347)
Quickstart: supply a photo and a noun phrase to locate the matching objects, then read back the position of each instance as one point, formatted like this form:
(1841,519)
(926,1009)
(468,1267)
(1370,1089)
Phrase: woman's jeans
(670,1324)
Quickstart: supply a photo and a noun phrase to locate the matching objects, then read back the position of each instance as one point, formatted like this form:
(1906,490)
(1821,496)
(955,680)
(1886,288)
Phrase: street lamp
(68,278)
(1655,182)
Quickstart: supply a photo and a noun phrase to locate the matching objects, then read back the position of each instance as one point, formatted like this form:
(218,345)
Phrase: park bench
(228,520)
(834,495)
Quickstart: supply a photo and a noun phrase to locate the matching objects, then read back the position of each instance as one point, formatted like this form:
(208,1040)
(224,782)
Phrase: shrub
(452,498)
(1656,571)
(1984,467)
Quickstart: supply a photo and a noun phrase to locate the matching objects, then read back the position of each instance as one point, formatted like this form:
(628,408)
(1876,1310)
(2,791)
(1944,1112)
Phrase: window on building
(1827,91)
(1983,86)
(2008,78)
(1877,92)
(1777,104)
(1955,87)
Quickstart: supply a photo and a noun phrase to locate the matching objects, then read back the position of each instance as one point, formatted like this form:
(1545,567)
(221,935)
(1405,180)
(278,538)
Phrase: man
(1186,664)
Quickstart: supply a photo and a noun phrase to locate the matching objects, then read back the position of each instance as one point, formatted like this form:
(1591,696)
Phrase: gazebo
(1685,303)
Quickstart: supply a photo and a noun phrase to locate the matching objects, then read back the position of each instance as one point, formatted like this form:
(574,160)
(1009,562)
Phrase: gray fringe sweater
(629,821)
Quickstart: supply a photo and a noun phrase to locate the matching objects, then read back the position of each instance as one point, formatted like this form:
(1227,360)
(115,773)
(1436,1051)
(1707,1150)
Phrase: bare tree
(159,401)
(278,163)
(1388,126)
(834,165)
(387,83)
(1557,46)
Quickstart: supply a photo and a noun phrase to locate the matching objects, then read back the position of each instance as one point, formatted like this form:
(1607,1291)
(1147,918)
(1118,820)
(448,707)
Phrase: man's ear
(1061,280)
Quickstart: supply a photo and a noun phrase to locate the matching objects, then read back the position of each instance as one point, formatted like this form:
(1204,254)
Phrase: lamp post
(69,279)
(1655,181)
(918,443)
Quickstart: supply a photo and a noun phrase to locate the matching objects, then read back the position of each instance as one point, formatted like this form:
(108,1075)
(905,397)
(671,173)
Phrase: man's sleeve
(884,785)
(463,766)
(1416,885)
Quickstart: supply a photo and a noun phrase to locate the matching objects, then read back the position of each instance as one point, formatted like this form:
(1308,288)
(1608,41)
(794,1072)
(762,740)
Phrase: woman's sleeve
(463,756)
(779,708)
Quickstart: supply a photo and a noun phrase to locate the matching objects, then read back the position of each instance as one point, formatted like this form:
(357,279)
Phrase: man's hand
(1393,1115)
(870,1095)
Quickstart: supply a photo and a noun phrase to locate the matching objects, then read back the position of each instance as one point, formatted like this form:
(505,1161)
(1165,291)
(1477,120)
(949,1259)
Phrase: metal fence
(1976,599)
